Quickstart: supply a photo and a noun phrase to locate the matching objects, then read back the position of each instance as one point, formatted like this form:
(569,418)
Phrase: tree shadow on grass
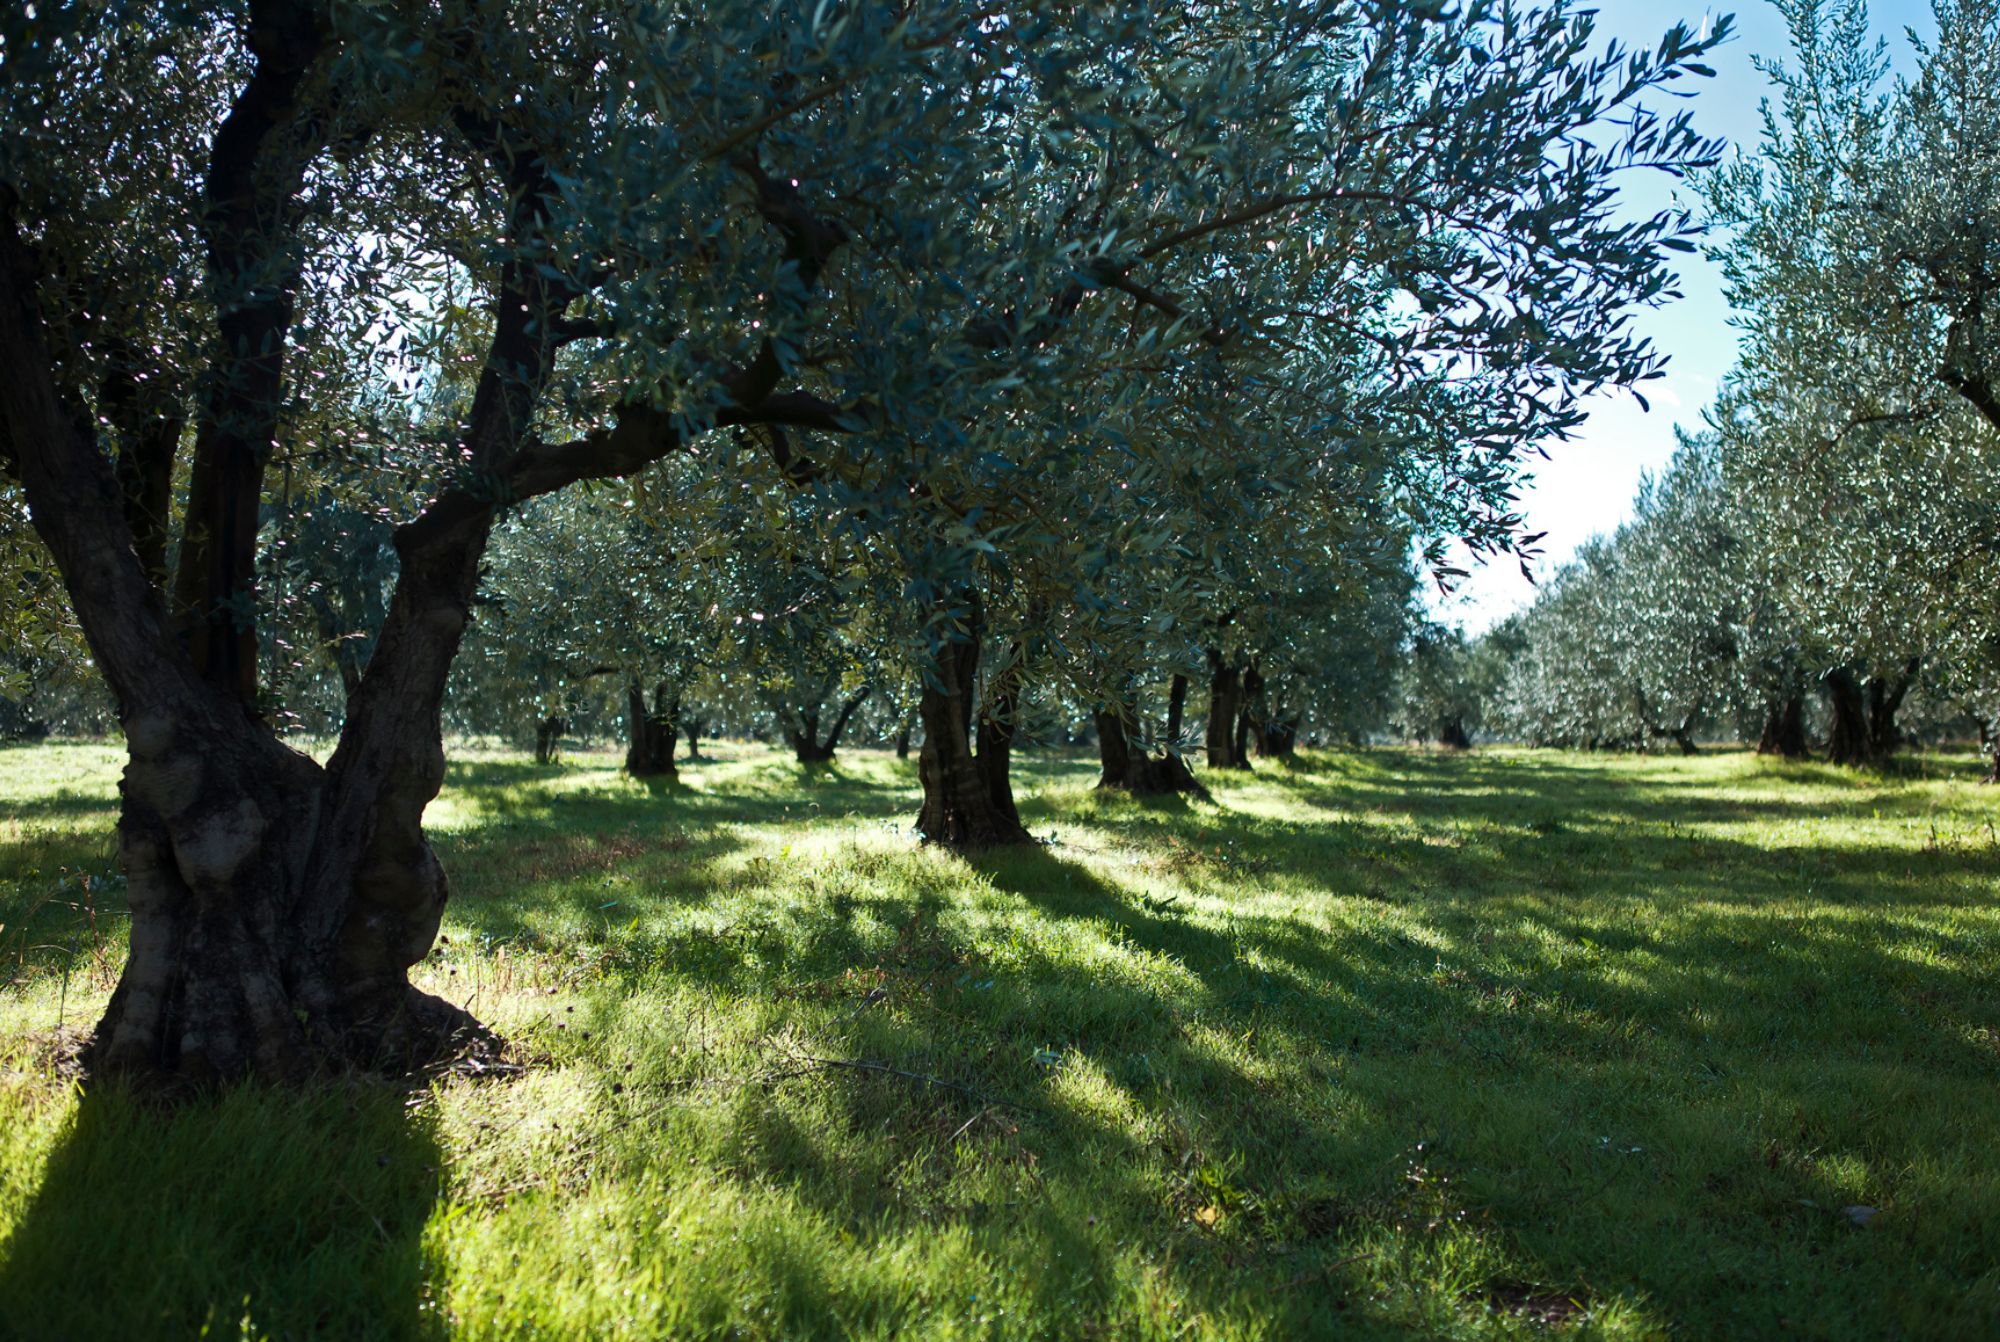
(67,805)
(257,1212)
(1603,789)
(1241,1078)
(1563,1032)
(503,791)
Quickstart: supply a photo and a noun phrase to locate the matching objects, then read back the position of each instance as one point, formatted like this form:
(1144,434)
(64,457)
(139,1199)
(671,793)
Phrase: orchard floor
(1392,1044)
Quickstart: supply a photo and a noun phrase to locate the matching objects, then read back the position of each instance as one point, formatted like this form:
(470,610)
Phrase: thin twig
(966,1126)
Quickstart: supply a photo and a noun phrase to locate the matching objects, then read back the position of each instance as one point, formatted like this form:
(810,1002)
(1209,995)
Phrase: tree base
(962,835)
(1784,734)
(1155,776)
(421,1033)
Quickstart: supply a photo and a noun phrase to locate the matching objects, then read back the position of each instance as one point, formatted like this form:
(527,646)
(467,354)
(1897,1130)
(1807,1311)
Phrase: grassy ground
(1387,1045)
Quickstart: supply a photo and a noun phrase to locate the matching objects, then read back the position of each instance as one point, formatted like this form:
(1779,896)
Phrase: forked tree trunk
(651,734)
(1277,737)
(1847,736)
(548,739)
(1784,731)
(802,735)
(1225,708)
(1126,769)
(1885,700)
(1452,734)
(277,905)
(807,747)
(1681,734)
(968,803)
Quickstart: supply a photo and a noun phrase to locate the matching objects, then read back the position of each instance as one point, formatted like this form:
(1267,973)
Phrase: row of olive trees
(1091,333)
(1824,554)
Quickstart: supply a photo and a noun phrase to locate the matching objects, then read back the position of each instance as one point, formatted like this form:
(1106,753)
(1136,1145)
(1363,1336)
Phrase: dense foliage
(1830,536)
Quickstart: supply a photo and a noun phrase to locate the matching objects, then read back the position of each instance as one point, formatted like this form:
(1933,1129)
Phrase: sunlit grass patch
(1395,1044)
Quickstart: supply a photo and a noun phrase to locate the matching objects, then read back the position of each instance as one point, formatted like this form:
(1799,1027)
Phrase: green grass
(1391,1045)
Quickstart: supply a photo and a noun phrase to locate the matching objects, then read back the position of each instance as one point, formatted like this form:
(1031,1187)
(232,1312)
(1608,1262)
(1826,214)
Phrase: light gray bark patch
(210,858)
(149,734)
(166,786)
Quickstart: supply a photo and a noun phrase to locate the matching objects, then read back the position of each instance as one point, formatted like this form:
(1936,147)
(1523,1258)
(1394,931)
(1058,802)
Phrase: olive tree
(872,240)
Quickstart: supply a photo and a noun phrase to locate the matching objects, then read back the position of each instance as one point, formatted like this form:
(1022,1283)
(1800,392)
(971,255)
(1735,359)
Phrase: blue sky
(1586,486)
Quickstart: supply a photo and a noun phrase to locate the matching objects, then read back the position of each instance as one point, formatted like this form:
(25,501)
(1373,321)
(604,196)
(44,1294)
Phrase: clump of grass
(1388,1044)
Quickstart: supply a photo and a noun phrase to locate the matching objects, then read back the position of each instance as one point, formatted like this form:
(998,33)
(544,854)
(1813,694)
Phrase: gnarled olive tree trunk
(1277,737)
(277,905)
(968,798)
(1128,769)
(1885,700)
(651,733)
(1784,733)
(1228,734)
(1847,734)
(1681,735)
(802,730)
(548,739)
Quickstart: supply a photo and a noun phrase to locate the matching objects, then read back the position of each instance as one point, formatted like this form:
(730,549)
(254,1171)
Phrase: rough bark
(1784,731)
(253,204)
(1885,700)
(967,803)
(1128,770)
(548,739)
(276,905)
(1277,737)
(1847,736)
(803,731)
(1225,708)
(1177,694)
(651,733)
